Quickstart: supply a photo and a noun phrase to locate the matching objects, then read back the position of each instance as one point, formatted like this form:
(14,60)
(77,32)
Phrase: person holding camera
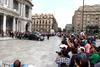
(61,60)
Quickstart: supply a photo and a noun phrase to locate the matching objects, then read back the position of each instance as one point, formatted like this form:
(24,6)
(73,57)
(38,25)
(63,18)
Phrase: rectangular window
(27,11)
(15,4)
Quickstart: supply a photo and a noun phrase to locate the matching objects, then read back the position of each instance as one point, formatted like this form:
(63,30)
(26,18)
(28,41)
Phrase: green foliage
(97,35)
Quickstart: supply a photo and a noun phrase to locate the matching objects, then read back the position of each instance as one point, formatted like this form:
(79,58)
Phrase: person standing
(48,35)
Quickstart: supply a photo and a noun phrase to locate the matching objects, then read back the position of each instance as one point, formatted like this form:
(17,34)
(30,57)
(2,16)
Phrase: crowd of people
(19,35)
(24,35)
(78,50)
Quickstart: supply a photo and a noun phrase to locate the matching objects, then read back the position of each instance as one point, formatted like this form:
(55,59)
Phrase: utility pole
(83,15)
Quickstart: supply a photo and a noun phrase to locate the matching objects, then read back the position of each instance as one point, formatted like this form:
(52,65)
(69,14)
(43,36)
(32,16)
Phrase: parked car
(35,36)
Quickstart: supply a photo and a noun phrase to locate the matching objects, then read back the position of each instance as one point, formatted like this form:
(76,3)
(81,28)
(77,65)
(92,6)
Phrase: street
(38,53)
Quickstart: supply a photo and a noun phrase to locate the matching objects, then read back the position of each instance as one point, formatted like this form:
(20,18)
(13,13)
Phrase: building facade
(44,23)
(15,15)
(91,18)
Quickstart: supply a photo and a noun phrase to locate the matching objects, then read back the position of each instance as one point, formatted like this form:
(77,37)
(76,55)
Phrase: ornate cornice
(23,1)
(8,11)
(90,8)
(43,16)
(25,19)
(29,1)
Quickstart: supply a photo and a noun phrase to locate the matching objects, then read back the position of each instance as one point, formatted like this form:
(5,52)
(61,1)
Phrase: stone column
(19,28)
(14,25)
(4,25)
(30,27)
(30,13)
(17,25)
(7,2)
(23,10)
(19,8)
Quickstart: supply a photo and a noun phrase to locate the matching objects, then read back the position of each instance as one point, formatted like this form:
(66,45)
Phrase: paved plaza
(38,53)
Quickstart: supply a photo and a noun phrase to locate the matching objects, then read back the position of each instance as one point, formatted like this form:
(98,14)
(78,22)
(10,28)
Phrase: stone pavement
(5,38)
(38,53)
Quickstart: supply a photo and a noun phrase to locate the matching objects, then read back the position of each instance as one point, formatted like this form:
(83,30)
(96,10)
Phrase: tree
(59,29)
(64,30)
(92,29)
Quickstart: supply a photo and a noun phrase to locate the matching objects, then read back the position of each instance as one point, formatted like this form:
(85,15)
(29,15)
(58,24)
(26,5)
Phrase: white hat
(63,45)
(30,65)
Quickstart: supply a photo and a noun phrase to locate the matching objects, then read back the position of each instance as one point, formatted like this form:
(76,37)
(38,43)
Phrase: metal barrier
(5,65)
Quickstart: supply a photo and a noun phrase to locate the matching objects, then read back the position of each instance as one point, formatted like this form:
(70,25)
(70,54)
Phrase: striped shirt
(60,60)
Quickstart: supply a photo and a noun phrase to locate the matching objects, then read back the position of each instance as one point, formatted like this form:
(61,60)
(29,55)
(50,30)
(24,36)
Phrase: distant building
(68,28)
(15,15)
(91,18)
(44,23)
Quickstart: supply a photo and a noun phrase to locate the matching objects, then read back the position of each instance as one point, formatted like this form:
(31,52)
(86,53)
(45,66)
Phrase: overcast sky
(63,10)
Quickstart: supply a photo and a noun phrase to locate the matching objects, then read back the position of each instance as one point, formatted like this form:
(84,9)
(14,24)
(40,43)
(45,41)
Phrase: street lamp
(82,15)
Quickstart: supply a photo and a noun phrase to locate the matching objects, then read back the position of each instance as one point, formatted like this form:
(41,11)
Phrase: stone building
(91,18)
(15,15)
(44,23)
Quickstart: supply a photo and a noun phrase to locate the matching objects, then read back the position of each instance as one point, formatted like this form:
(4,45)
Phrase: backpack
(82,56)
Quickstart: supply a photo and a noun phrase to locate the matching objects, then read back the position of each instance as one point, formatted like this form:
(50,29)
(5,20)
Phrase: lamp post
(82,15)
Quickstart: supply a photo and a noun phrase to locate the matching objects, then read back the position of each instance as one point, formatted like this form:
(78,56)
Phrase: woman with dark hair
(77,62)
(17,63)
(80,63)
(74,55)
(87,48)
